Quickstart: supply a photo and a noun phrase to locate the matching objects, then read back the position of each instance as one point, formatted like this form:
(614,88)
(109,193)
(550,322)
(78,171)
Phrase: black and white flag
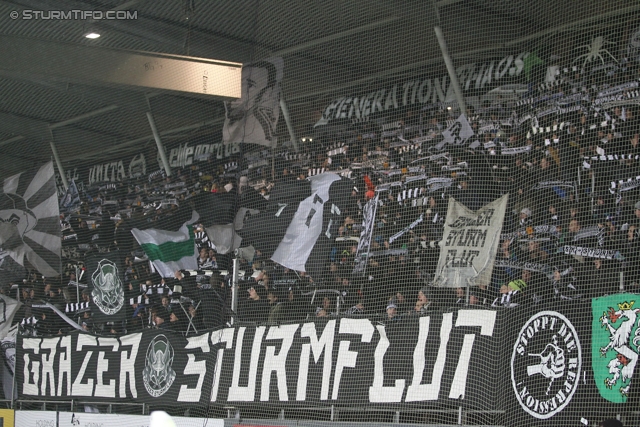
(71,199)
(364,244)
(8,307)
(29,220)
(457,134)
(10,271)
(308,223)
(254,117)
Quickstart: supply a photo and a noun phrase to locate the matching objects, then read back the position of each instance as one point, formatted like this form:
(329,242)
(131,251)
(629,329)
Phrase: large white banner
(254,117)
(469,244)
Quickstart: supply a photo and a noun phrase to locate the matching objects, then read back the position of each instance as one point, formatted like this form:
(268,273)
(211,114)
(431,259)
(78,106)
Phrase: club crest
(158,375)
(546,364)
(107,293)
(615,344)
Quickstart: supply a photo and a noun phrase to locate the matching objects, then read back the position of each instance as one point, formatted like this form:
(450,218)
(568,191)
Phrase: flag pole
(234,286)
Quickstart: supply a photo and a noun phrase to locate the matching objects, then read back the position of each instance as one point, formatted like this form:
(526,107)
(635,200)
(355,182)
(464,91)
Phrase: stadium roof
(328,47)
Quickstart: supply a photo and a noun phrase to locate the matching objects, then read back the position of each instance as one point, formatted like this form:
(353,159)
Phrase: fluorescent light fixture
(92,35)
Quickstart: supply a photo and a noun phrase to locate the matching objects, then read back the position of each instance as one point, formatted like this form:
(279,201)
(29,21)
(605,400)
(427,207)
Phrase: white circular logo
(158,374)
(546,364)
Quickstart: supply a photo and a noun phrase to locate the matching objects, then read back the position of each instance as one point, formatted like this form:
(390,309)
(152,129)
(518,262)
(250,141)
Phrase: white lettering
(80,389)
(391,98)
(102,389)
(486,320)
(325,343)
(48,358)
(420,392)
(277,364)
(217,337)
(199,368)
(347,358)
(423,98)
(127,364)
(28,387)
(377,392)
(236,392)
(64,365)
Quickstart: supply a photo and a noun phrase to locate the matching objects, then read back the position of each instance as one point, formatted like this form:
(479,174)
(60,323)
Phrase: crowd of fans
(557,168)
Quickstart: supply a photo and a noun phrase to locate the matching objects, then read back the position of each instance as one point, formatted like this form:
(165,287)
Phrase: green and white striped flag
(170,250)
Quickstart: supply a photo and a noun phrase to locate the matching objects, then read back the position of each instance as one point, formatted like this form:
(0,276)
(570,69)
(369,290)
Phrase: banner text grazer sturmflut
(535,359)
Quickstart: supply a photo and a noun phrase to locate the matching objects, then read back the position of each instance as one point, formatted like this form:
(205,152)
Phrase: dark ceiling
(329,48)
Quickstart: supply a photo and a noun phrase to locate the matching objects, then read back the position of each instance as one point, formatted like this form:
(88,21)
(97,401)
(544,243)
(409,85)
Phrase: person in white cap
(525,217)
(392,312)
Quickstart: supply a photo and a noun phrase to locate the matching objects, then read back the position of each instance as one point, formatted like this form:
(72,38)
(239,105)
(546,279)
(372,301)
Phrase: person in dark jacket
(254,308)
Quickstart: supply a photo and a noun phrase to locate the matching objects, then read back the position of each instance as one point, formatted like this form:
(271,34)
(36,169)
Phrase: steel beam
(125,146)
(99,66)
(334,37)
(451,70)
(17,125)
(82,117)
(156,136)
(287,119)
(56,157)
(27,128)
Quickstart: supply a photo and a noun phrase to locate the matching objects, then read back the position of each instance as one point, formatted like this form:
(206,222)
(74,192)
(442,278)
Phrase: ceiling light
(92,35)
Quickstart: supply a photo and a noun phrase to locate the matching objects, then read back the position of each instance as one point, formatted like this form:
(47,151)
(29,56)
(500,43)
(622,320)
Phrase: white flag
(469,244)
(458,133)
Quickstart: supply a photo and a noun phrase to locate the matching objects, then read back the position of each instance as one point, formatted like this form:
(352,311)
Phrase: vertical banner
(364,245)
(615,345)
(254,117)
(29,219)
(469,244)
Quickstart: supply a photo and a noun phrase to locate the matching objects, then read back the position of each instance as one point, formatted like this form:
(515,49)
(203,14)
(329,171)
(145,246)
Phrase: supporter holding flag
(170,250)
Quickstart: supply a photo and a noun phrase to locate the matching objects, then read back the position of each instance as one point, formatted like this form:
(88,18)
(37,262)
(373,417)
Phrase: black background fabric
(488,385)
